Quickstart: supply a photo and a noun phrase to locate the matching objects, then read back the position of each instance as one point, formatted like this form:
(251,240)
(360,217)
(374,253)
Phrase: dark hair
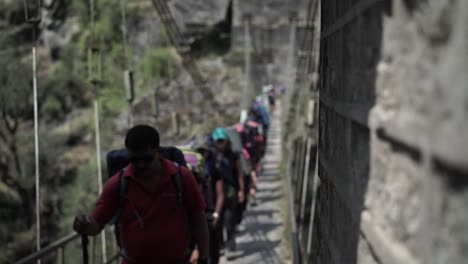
(142,136)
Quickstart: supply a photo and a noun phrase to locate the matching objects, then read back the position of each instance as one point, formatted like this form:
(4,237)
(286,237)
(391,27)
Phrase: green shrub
(158,63)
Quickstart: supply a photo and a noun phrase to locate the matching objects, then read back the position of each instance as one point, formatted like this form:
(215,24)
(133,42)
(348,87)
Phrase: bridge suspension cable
(291,66)
(34,19)
(95,77)
(304,58)
(247,67)
(123,9)
(128,76)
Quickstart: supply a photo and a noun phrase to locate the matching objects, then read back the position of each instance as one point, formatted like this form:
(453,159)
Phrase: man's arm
(196,208)
(253,173)
(201,233)
(105,209)
(219,199)
(240,178)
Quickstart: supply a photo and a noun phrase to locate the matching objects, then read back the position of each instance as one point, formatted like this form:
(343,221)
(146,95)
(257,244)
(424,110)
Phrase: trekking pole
(84,245)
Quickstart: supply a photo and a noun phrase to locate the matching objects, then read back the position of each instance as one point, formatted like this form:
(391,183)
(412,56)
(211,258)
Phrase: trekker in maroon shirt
(152,225)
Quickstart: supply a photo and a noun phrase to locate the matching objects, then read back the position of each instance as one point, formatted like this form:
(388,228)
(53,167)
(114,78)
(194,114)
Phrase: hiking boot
(240,228)
(230,255)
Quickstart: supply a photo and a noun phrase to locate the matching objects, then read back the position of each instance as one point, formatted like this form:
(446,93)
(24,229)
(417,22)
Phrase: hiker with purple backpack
(214,196)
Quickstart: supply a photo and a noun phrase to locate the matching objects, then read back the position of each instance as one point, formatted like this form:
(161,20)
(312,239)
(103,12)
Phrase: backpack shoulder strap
(177,179)
(123,186)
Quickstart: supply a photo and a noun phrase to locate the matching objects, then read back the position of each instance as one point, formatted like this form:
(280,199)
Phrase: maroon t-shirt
(163,237)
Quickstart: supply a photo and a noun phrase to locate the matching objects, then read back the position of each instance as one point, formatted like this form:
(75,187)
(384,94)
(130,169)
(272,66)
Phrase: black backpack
(117,160)
(250,132)
(225,164)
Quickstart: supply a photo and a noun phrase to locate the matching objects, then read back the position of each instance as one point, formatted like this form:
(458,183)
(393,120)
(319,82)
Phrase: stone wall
(393,145)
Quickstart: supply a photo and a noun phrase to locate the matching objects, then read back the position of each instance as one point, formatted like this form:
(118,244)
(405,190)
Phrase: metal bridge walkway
(261,242)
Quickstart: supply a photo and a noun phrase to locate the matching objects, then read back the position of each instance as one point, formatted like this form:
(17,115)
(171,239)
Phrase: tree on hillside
(16,187)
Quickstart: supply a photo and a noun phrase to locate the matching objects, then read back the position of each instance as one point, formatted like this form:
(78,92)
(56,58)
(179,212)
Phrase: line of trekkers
(181,204)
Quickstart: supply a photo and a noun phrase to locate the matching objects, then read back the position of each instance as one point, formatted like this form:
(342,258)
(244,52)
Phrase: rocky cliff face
(193,14)
(393,134)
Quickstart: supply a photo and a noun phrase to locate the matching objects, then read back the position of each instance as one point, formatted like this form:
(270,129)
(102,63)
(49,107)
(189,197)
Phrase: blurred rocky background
(211,28)
(67,154)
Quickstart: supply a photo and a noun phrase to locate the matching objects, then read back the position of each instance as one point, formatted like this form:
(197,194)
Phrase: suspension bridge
(366,157)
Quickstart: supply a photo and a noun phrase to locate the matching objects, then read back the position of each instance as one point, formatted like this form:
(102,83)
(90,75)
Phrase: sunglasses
(220,140)
(145,158)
